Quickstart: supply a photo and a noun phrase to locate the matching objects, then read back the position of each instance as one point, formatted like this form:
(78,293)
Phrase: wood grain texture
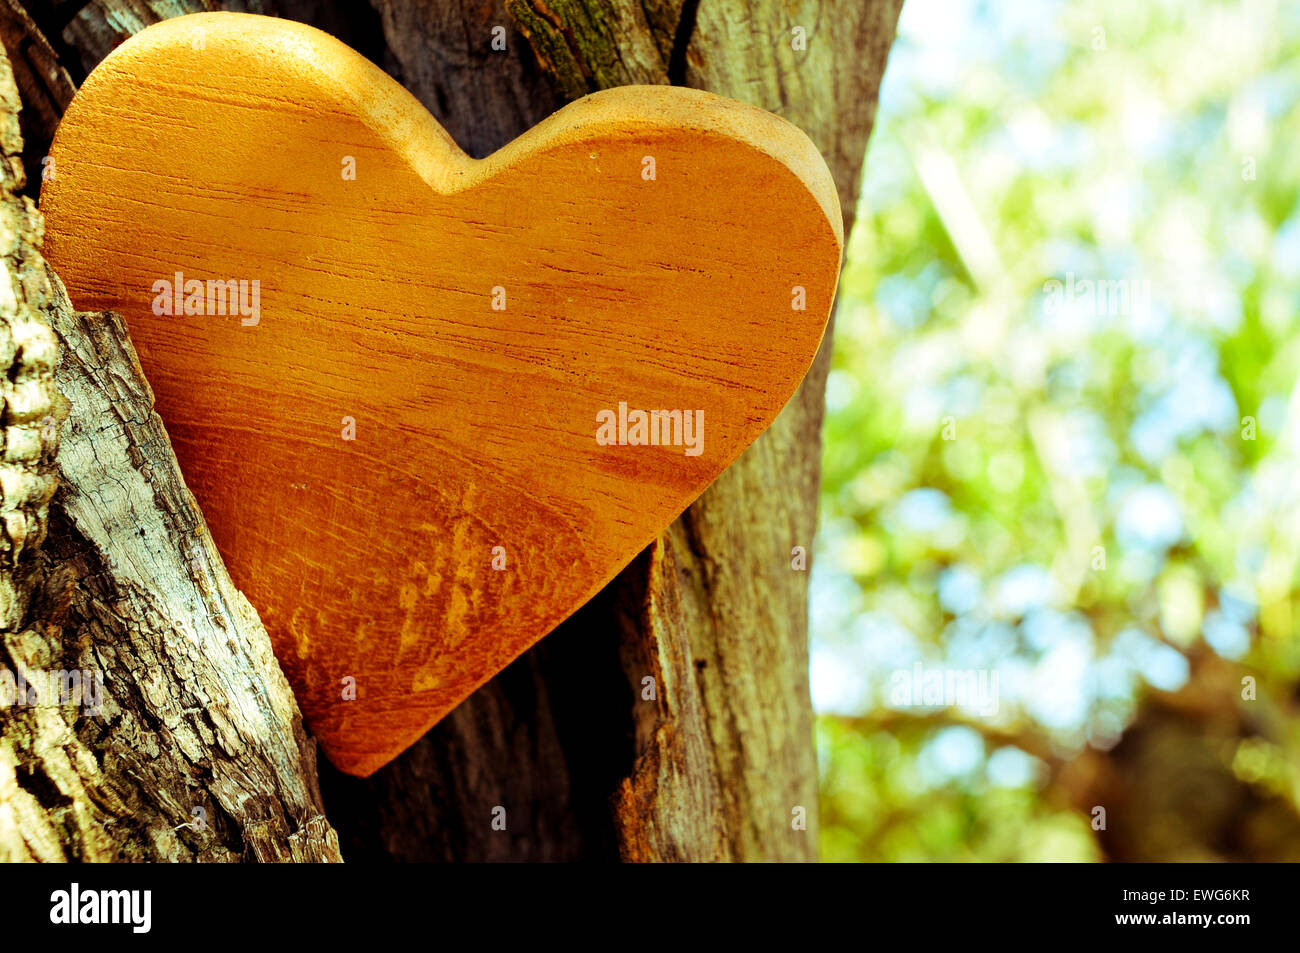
(211,766)
(552,737)
(194,747)
(213,146)
(563,735)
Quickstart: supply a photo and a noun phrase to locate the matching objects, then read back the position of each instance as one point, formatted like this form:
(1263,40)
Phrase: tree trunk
(668,719)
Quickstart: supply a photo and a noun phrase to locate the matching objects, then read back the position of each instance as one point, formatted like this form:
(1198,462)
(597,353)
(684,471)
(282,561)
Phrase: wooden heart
(418,395)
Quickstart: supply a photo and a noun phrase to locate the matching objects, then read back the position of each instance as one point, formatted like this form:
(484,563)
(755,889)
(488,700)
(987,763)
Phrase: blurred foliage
(1093,498)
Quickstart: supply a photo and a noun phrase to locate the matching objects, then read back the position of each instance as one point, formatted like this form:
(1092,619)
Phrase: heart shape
(491,335)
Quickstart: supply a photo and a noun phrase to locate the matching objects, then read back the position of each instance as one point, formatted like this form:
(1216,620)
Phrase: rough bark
(568,738)
(177,737)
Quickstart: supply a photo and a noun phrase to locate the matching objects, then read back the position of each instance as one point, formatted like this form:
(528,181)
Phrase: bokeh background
(1094,498)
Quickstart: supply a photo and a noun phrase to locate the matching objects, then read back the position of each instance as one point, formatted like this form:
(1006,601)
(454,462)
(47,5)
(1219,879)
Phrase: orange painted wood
(471,324)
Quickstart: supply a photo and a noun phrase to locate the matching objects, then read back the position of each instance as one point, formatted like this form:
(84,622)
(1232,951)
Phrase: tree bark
(669,719)
(152,721)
